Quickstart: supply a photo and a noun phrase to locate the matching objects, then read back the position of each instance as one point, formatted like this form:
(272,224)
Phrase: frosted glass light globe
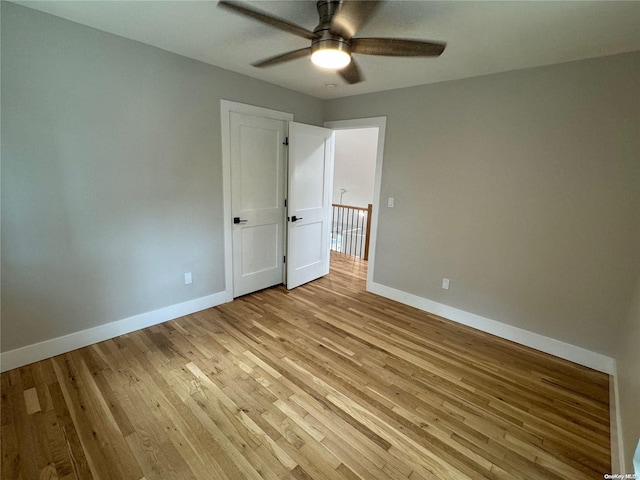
(330,58)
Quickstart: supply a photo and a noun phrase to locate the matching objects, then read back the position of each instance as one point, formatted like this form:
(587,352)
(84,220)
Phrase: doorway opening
(353,185)
(344,126)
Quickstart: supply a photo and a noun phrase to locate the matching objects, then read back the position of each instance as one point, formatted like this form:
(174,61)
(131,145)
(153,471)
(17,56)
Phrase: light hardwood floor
(326,381)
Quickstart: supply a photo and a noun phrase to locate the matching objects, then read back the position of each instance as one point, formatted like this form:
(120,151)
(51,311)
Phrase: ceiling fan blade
(396,47)
(268,19)
(283,57)
(352,16)
(351,73)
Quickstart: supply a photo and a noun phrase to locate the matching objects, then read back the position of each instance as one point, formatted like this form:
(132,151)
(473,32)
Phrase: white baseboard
(548,345)
(56,346)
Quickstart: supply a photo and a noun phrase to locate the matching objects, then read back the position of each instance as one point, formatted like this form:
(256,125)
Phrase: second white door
(310,184)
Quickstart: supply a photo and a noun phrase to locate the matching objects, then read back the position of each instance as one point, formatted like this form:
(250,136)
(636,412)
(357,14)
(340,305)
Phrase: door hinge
(284,259)
(285,202)
(286,141)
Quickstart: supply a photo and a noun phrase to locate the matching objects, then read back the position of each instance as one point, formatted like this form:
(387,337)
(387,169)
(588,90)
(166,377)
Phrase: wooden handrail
(349,206)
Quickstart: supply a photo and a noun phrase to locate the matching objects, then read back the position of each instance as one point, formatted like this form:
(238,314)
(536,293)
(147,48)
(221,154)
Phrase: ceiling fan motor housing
(328,40)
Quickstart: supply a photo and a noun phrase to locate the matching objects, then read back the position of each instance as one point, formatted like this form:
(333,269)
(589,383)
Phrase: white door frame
(226,107)
(381,123)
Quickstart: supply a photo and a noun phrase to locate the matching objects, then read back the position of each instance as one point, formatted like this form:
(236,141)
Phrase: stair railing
(350,230)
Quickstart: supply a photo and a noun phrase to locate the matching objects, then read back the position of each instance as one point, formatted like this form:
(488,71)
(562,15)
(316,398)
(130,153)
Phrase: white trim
(539,342)
(381,123)
(226,107)
(57,346)
(615,422)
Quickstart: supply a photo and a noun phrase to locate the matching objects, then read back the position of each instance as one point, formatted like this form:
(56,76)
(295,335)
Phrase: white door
(309,210)
(258,163)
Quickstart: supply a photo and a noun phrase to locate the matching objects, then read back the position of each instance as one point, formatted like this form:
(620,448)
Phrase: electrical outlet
(445,283)
(391,202)
(188,280)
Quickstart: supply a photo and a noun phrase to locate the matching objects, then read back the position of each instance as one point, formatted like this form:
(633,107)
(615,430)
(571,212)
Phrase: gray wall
(111,174)
(522,188)
(629,379)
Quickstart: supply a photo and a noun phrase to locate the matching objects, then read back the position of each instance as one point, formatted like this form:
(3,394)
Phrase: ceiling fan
(333,41)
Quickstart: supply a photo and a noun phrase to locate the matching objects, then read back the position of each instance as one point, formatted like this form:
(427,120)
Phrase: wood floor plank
(72,454)
(325,381)
(98,437)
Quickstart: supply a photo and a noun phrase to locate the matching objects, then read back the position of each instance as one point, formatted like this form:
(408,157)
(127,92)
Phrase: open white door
(309,205)
(257,201)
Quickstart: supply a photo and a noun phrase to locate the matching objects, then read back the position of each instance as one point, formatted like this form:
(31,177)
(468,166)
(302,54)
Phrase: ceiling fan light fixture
(330,58)
(330,51)
(333,40)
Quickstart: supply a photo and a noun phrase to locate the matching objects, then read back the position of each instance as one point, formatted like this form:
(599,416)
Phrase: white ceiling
(482,36)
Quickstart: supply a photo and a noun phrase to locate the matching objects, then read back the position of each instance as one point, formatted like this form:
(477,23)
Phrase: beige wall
(111,175)
(521,188)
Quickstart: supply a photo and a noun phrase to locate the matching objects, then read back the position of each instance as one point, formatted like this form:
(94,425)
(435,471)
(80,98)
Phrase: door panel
(309,245)
(308,178)
(259,167)
(260,248)
(257,199)
(310,175)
